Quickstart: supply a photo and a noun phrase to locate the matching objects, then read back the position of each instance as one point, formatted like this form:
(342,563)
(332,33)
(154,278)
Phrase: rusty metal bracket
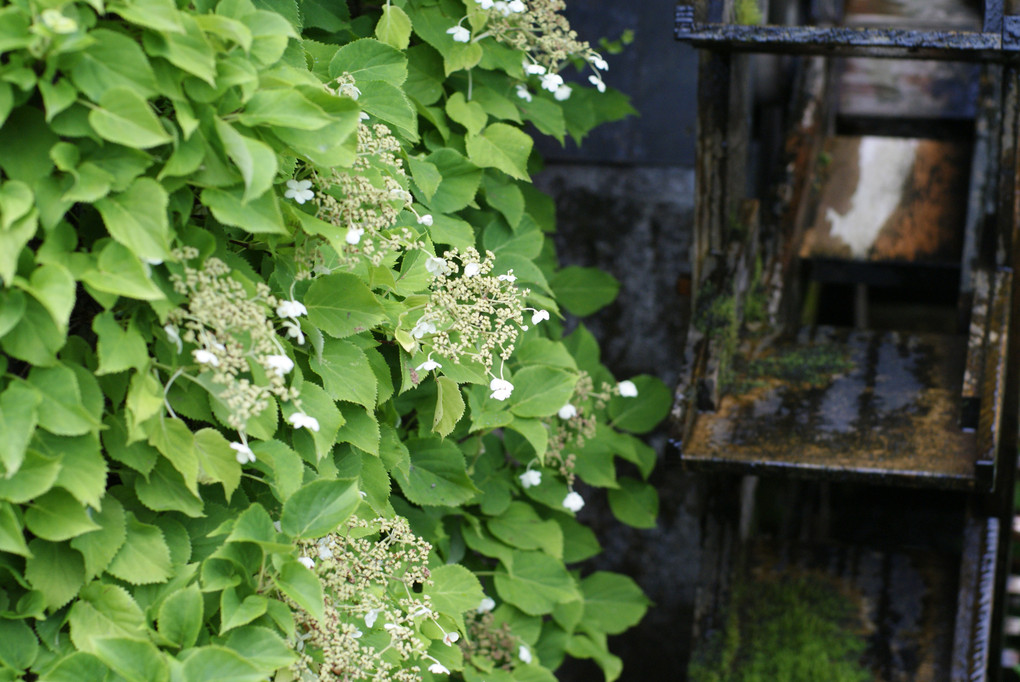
(952,45)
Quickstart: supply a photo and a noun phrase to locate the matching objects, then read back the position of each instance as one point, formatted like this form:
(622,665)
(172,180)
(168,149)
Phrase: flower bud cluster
(471,314)
(233,336)
(368,574)
(485,640)
(367,199)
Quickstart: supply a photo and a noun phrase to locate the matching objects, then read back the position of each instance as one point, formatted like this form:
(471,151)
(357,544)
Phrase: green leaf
(119,349)
(18,419)
(76,667)
(360,429)
(188,50)
(12,307)
(346,373)
(342,305)
(53,286)
(541,391)
(394,27)
(644,412)
(121,273)
(319,405)
(18,644)
(635,503)
(461,179)
(437,475)
(254,525)
(389,103)
(165,490)
(454,590)
(144,558)
(370,60)
(137,218)
(36,338)
(594,647)
(301,585)
(535,432)
(449,406)
(583,291)
(218,461)
(534,582)
(426,176)
(318,508)
(234,613)
(100,546)
(159,15)
(505,197)
(259,216)
(520,526)
(261,646)
(256,160)
(501,146)
(124,117)
(56,570)
(175,441)
(112,60)
(287,467)
(180,617)
(221,664)
(58,516)
(613,603)
(35,476)
(134,660)
(105,611)
(12,536)
(14,239)
(471,115)
(83,467)
(286,108)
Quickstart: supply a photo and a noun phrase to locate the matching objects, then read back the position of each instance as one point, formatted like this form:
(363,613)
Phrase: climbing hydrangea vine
(284,389)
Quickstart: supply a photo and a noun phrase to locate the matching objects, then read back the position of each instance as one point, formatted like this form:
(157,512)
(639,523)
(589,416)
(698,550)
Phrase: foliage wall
(283,388)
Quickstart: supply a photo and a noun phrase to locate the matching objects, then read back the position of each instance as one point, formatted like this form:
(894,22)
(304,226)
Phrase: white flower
(551,82)
(599,63)
(472,269)
(422,328)
(539,316)
(306,562)
(174,337)
(597,82)
(299,190)
(300,420)
(425,220)
(371,617)
(501,7)
(325,553)
(524,654)
(244,453)
(57,22)
(428,366)
(508,277)
(402,194)
(438,668)
(486,605)
(517,6)
(153,261)
(277,526)
(460,34)
(486,4)
(363,116)
(437,266)
(522,92)
(573,501)
(421,611)
(450,637)
(354,234)
(533,69)
(291,309)
(568,411)
(351,90)
(280,364)
(205,357)
(294,331)
(501,389)
(357,633)
(562,93)
(627,389)
(530,478)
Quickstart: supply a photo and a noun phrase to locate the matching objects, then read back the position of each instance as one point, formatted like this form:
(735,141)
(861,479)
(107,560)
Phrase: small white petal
(281,364)
(522,92)
(562,93)
(552,82)
(539,315)
(573,501)
(568,411)
(306,562)
(291,309)
(450,637)
(460,34)
(599,63)
(428,366)
(204,357)
(486,4)
(371,617)
(437,266)
(278,526)
(627,389)
(530,478)
(354,234)
(517,6)
(425,220)
(174,337)
(438,669)
(533,69)
(357,633)
(472,269)
(300,420)
(244,454)
(501,389)
(486,605)
(508,277)
(524,654)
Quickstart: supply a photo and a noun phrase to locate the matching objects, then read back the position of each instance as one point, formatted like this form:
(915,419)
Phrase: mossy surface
(747,12)
(798,630)
(806,365)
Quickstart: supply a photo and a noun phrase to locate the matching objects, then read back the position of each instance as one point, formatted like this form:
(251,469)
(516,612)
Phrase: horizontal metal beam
(853,41)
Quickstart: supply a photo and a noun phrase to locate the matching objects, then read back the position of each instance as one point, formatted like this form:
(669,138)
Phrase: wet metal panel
(889,88)
(891,199)
(877,406)
(914,13)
